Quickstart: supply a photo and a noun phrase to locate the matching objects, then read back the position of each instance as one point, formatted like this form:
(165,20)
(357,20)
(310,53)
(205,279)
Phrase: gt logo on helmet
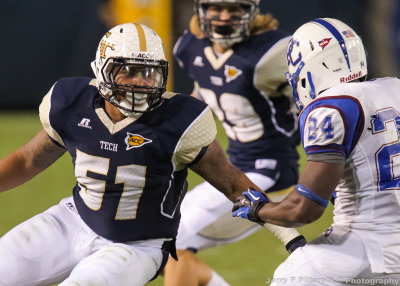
(103,47)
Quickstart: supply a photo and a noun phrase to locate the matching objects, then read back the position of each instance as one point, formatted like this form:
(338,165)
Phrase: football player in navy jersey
(237,60)
(350,129)
(131,144)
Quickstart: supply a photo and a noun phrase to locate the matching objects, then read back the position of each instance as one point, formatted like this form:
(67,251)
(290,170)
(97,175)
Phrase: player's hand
(248,205)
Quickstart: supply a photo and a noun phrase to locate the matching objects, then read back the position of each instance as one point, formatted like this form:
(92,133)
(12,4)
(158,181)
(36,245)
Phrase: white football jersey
(362,122)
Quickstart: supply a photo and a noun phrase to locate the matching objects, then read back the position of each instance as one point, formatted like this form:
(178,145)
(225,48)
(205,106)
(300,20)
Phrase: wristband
(311,195)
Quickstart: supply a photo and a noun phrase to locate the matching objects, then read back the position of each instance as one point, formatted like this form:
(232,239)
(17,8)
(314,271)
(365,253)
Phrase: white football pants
(335,258)
(57,245)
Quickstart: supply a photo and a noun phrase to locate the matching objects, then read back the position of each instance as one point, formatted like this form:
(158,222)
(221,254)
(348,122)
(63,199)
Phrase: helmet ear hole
(311,46)
(303,83)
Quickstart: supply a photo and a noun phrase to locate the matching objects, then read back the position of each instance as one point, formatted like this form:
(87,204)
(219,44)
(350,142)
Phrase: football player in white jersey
(131,143)
(350,130)
(237,59)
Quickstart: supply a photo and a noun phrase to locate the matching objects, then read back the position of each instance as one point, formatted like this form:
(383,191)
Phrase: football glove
(333,198)
(249,204)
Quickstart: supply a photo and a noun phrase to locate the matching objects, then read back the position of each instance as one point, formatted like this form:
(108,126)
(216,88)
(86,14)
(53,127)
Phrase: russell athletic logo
(135,141)
(350,77)
(85,123)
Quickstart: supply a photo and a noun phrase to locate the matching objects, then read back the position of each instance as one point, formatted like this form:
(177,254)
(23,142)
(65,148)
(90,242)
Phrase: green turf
(245,263)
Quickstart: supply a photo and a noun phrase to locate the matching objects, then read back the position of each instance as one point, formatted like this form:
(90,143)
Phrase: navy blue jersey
(128,186)
(244,88)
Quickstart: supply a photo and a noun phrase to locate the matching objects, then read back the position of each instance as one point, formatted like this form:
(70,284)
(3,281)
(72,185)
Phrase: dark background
(44,40)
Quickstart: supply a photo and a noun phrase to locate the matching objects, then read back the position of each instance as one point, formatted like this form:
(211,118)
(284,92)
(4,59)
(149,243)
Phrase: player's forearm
(318,181)
(15,171)
(294,211)
(230,182)
(215,168)
(29,160)
(237,184)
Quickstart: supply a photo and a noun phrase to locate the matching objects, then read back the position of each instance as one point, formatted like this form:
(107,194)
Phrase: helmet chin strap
(223,40)
(226,43)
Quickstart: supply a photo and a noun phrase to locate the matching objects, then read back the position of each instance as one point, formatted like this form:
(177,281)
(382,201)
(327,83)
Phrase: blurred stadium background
(47,39)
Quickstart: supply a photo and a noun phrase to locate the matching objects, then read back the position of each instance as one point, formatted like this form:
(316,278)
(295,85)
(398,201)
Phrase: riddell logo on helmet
(350,77)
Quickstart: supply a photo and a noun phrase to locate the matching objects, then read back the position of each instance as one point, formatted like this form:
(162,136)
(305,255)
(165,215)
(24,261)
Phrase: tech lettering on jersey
(135,141)
(109,146)
(215,80)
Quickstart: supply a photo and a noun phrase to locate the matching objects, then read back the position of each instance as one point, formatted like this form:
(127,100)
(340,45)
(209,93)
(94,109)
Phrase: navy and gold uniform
(245,89)
(131,175)
(131,143)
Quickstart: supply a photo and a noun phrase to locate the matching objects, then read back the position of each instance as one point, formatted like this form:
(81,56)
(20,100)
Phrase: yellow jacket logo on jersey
(231,73)
(135,141)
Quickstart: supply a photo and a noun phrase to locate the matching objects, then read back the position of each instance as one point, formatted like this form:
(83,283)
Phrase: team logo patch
(231,73)
(135,141)
(323,43)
